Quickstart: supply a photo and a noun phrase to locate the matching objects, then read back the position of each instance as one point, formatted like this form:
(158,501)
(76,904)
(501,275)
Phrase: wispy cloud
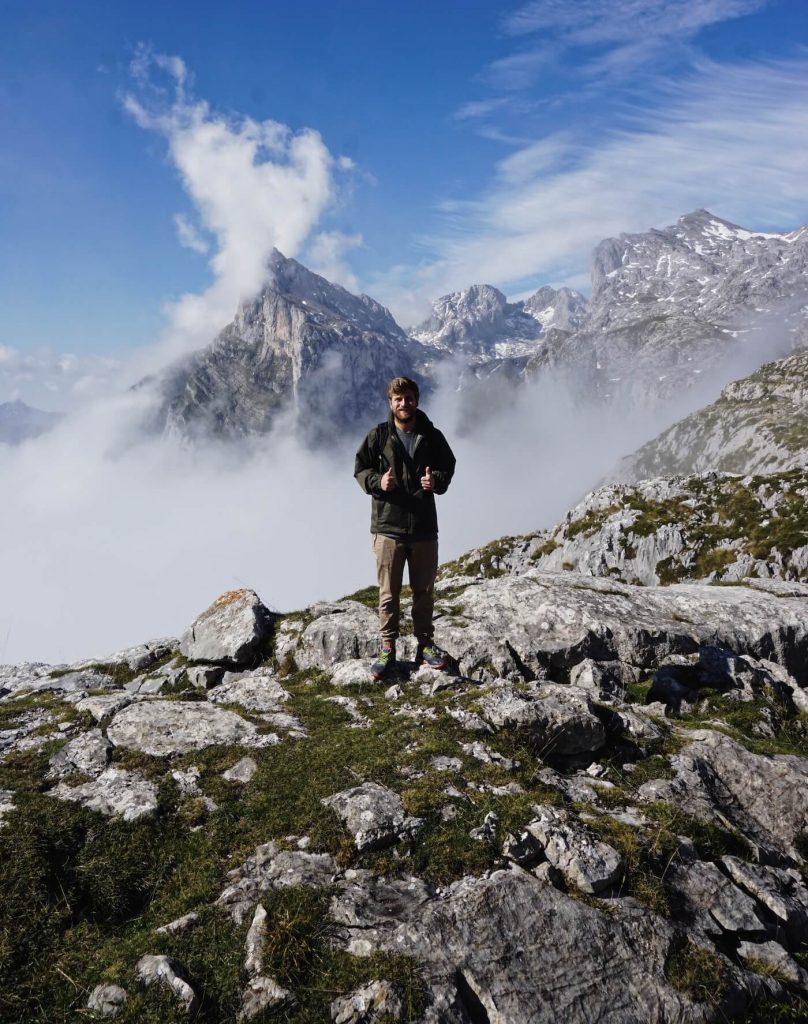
(731,138)
(255,185)
(325,256)
(519,70)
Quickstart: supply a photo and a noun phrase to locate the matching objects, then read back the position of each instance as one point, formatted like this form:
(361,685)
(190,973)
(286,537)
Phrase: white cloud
(189,236)
(55,381)
(480,108)
(519,70)
(733,139)
(255,185)
(324,255)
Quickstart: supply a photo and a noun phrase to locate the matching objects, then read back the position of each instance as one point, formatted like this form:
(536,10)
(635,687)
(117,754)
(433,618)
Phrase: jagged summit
(480,322)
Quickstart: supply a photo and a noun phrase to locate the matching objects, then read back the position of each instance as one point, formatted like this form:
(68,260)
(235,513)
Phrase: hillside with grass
(599,814)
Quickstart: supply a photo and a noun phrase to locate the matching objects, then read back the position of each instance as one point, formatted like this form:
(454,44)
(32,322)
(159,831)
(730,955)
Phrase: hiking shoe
(432,655)
(382,664)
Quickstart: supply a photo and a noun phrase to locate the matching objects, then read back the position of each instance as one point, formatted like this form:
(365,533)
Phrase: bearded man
(403,463)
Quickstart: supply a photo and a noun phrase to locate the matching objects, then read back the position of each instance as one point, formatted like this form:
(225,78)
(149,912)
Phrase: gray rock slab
(546,620)
(161,727)
(353,672)
(340,632)
(255,943)
(104,705)
(253,691)
(764,797)
(137,658)
(204,676)
(374,815)
(707,898)
(107,1000)
(116,793)
(231,630)
(584,861)
(528,953)
(556,722)
(772,957)
(152,969)
(89,753)
(369,1004)
(242,771)
(780,890)
(273,868)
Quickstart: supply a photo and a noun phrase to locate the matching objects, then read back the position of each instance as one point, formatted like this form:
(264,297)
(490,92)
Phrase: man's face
(404,405)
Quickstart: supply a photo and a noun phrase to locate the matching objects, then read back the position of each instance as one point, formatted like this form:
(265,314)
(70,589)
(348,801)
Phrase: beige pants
(422,559)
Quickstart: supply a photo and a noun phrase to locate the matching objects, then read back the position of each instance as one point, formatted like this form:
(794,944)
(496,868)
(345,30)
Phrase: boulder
(374,815)
(344,631)
(175,727)
(231,631)
(555,720)
(261,994)
(88,753)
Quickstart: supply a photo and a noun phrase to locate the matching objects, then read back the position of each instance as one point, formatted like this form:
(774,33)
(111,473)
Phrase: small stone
(165,971)
(353,672)
(487,832)
(255,942)
(374,815)
(394,692)
(187,780)
(88,753)
(107,1000)
(242,771)
(6,804)
(367,1005)
(203,677)
(180,924)
(447,764)
(261,994)
(481,752)
(584,861)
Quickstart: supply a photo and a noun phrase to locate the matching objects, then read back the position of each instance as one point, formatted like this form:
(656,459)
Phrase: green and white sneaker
(430,654)
(386,659)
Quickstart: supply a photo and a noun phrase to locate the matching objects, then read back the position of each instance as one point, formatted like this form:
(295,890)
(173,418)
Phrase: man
(403,463)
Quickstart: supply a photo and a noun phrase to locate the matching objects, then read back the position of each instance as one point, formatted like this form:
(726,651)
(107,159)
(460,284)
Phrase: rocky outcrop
(759,424)
(230,631)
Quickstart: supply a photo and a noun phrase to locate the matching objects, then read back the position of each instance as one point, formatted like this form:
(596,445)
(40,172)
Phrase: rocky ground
(709,526)
(599,815)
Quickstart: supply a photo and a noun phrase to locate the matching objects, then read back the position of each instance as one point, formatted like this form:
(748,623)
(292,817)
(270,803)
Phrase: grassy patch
(702,974)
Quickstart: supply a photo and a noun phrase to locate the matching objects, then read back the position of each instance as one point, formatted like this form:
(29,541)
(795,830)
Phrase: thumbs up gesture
(426,480)
(388,481)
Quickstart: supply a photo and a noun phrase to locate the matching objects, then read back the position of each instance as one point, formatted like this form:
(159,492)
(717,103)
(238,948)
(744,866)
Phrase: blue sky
(153,153)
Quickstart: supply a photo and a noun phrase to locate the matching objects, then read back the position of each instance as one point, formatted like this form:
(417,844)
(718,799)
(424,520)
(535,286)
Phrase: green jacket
(407,510)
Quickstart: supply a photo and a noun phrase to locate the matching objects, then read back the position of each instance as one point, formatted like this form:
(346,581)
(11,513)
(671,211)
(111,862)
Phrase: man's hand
(426,480)
(388,480)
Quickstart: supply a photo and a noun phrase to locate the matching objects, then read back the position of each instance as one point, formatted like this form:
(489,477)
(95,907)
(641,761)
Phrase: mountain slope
(758,425)
(303,344)
(19,422)
(669,305)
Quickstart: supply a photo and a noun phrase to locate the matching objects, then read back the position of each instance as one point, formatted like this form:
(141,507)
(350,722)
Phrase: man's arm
(366,466)
(443,470)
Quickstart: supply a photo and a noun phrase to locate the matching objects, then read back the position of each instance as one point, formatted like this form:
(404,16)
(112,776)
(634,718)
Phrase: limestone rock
(585,862)
(203,677)
(368,1005)
(464,936)
(707,899)
(556,720)
(107,1000)
(176,727)
(261,994)
(344,631)
(231,630)
(772,956)
(88,753)
(273,868)
(115,793)
(255,943)
(105,704)
(780,890)
(258,690)
(353,672)
(242,771)
(6,805)
(165,971)
(180,925)
(374,815)
(764,797)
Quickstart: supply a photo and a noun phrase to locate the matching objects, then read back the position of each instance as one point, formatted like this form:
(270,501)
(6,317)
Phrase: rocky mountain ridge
(20,422)
(759,424)
(238,824)
(667,306)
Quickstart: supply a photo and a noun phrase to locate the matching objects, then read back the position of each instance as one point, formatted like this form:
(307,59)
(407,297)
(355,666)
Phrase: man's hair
(399,384)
